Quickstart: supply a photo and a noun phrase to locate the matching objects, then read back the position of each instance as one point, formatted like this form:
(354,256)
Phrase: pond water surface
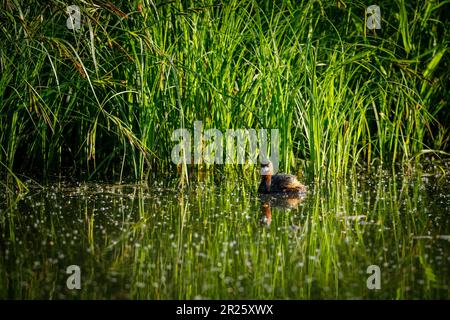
(222,241)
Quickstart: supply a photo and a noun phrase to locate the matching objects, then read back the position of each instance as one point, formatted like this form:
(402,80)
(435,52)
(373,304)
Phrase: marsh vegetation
(87,115)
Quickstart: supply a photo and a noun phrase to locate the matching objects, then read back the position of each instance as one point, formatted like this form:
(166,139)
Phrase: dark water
(221,240)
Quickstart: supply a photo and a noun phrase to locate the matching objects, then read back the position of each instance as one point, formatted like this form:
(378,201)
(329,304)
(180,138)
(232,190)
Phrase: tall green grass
(104,100)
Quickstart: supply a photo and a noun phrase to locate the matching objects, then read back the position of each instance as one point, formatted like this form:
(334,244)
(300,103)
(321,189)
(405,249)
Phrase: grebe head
(266,168)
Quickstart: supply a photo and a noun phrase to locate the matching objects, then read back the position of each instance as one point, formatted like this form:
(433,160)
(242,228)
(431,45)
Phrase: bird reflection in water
(283,201)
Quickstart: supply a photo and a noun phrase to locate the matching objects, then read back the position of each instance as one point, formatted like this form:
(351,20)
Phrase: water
(220,240)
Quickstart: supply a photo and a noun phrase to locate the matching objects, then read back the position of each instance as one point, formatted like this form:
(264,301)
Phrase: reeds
(104,100)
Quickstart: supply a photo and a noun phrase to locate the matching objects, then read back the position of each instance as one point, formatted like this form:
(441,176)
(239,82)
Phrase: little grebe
(279,183)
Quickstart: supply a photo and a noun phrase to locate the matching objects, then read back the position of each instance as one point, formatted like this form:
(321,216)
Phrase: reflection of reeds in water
(209,244)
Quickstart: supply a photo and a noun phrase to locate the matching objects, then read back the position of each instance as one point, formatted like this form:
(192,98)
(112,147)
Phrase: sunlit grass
(103,101)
